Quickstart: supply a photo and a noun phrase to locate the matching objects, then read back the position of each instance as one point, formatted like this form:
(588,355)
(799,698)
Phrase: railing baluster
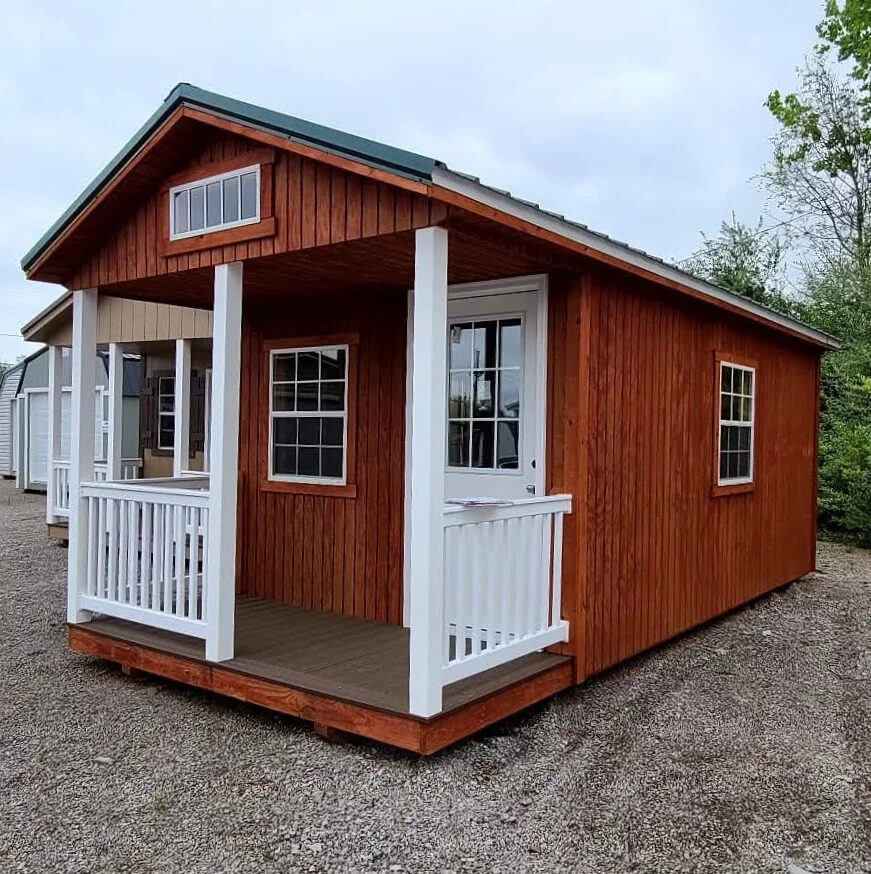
(112,512)
(123,594)
(168,591)
(556,585)
(91,576)
(193,543)
(178,549)
(544,574)
(100,588)
(145,583)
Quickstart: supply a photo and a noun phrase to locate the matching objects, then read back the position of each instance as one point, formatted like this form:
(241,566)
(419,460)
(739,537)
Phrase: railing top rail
(132,490)
(458,514)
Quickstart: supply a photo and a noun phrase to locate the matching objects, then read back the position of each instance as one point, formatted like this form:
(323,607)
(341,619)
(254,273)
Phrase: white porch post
(116,401)
(81,443)
(55,378)
(426,516)
(221,562)
(181,443)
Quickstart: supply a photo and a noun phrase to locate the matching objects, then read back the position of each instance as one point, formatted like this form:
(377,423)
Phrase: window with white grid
(737,411)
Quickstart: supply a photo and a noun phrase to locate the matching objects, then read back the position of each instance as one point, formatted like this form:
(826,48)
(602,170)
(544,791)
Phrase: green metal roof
(370,152)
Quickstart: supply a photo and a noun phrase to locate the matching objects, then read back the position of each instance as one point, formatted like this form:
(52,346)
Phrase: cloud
(644,120)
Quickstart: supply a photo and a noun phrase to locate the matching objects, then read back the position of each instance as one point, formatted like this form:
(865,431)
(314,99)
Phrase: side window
(737,403)
(166,412)
(308,414)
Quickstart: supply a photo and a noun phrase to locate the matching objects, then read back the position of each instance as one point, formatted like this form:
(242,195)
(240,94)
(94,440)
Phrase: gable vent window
(215,204)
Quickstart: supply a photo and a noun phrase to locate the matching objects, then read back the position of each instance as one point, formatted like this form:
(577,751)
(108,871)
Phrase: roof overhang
(59,310)
(398,167)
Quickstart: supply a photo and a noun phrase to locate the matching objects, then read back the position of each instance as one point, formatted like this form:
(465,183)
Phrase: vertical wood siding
(314,205)
(656,552)
(338,554)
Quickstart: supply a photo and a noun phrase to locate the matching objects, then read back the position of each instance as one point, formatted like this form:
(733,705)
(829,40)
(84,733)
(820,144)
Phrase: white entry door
(494,431)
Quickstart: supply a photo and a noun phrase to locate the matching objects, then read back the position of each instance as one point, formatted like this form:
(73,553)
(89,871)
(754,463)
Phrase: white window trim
(161,413)
(208,180)
(310,414)
(741,480)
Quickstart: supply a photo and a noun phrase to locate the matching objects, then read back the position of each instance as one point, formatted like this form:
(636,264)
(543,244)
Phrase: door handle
(530,489)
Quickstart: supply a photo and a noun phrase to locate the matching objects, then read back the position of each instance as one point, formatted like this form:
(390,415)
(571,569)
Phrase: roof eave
(502,201)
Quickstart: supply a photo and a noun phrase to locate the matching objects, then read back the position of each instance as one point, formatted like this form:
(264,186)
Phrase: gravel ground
(743,747)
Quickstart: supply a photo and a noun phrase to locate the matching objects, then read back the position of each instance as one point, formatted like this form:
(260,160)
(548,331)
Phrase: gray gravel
(742,747)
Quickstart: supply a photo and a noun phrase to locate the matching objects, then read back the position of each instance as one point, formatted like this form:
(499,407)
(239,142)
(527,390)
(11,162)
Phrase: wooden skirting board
(58,531)
(425,736)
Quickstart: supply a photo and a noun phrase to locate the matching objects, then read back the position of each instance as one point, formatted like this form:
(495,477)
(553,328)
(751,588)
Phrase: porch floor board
(338,657)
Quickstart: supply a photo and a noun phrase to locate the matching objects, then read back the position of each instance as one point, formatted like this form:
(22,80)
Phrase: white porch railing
(502,589)
(59,479)
(147,547)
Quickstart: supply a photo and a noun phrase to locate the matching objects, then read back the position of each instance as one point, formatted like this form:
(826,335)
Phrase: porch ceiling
(478,250)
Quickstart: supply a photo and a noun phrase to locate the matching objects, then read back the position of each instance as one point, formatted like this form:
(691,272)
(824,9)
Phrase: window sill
(324,490)
(213,239)
(721,491)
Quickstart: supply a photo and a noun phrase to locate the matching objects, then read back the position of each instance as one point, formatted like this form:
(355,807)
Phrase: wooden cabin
(137,343)
(464,452)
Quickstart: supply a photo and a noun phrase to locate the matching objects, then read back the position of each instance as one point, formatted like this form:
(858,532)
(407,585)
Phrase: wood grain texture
(335,549)
(344,673)
(315,204)
(657,553)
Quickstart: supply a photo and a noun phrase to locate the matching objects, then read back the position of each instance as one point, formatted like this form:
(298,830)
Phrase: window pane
(333,364)
(748,382)
(231,199)
(309,432)
(485,344)
(213,204)
(461,347)
(284,460)
(458,444)
(198,208)
(744,464)
(726,407)
(167,404)
(331,462)
(744,439)
(482,444)
(308,365)
(485,385)
(509,393)
(307,396)
(510,350)
(460,396)
(308,461)
(167,435)
(727,378)
(332,431)
(284,430)
(745,409)
(332,395)
(284,367)
(283,397)
(249,195)
(507,452)
(724,465)
(180,213)
(733,465)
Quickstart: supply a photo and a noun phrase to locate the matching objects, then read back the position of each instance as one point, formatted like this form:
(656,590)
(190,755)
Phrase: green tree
(743,259)
(820,173)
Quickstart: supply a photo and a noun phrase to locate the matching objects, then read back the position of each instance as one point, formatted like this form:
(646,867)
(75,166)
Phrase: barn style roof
(419,168)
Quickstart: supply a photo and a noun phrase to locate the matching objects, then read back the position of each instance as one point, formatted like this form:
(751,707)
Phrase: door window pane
(485,384)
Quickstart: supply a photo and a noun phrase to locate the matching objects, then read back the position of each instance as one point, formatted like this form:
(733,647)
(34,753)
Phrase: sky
(643,120)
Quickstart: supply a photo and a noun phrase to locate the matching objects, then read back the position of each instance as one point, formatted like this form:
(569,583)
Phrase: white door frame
(512,285)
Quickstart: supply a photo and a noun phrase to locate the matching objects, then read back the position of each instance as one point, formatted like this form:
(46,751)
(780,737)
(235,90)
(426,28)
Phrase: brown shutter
(198,414)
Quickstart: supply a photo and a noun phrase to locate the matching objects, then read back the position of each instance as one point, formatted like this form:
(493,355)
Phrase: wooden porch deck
(336,671)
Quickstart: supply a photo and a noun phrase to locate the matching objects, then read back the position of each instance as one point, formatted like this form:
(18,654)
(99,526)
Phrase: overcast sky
(644,120)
